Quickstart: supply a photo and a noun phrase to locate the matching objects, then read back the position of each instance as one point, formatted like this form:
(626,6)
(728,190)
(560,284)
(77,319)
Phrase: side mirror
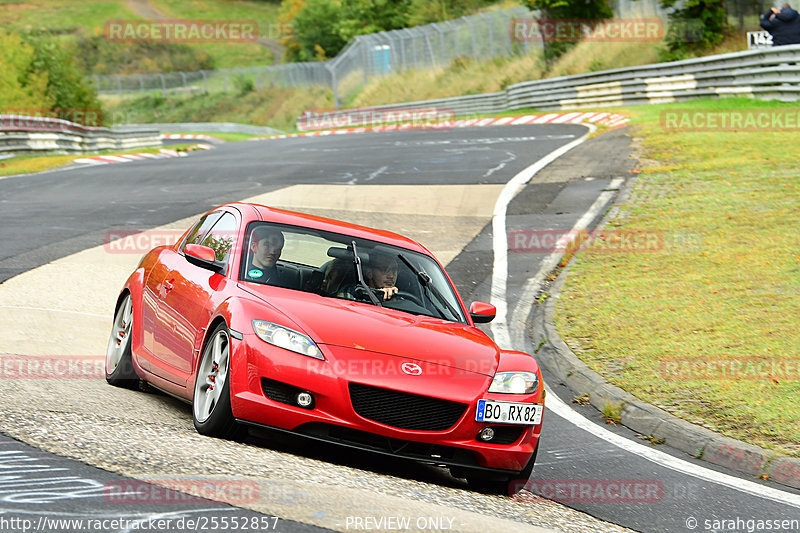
(481,312)
(204,257)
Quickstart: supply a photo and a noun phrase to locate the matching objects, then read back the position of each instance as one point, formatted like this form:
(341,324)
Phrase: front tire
(211,406)
(119,362)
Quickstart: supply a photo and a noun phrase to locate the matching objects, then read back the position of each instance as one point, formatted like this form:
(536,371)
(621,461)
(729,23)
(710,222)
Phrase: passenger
(338,279)
(266,245)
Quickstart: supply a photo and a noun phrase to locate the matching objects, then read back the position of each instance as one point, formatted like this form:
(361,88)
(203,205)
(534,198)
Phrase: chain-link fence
(481,36)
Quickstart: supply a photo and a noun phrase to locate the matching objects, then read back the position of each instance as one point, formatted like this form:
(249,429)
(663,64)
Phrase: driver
(381,273)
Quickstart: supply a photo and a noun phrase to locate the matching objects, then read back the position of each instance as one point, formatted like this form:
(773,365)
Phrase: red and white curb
(125,158)
(612,120)
(195,136)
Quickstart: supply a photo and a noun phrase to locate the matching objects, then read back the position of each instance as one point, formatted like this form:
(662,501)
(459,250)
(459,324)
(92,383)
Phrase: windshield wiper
(425,281)
(360,275)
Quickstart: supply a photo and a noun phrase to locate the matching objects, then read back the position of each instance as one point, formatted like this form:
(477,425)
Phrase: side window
(221,237)
(201,228)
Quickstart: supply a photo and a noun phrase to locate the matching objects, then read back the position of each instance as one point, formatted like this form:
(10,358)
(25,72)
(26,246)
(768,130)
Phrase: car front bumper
(265,381)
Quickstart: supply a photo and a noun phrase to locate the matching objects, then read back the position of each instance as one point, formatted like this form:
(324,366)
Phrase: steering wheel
(407,296)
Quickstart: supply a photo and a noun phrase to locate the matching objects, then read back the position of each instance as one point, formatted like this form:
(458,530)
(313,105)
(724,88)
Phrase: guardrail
(207,127)
(767,74)
(21,134)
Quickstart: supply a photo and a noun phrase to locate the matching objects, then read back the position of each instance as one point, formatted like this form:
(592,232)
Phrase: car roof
(281,216)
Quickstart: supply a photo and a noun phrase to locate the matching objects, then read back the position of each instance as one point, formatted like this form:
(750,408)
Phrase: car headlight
(514,383)
(286,338)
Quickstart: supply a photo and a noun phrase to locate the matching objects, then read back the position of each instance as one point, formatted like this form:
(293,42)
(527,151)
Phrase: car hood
(335,322)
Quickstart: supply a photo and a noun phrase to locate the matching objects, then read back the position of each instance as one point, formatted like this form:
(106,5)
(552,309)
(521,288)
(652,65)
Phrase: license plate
(509,412)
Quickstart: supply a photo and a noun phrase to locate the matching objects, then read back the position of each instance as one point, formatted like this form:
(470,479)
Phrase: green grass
(223,136)
(276,107)
(63,15)
(229,55)
(68,17)
(723,288)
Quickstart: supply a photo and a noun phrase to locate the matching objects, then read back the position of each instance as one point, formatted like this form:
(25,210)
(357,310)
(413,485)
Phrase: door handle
(169,285)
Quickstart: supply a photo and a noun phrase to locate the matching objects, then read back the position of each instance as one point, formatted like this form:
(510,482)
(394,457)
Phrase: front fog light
(305,399)
(486,434)
(514,383)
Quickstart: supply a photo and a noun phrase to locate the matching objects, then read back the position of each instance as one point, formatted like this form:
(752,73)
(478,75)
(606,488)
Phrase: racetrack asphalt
(149,436)
(557,194)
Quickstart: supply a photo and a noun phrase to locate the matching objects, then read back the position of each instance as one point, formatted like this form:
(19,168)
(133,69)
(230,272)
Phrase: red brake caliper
(212,377)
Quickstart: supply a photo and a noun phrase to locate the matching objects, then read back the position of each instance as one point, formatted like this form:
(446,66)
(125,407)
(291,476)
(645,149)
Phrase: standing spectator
(783,24)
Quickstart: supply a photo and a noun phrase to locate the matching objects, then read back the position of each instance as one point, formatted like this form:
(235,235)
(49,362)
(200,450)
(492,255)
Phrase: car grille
(404,410)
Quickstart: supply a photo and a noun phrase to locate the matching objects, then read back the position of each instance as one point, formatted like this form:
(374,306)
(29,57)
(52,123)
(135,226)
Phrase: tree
(360,17)
(694,26)
(568,10)
(21,86)
(316,29)
(66,86)
(428,11)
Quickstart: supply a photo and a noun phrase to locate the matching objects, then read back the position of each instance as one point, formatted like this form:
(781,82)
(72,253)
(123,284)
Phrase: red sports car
(336,332)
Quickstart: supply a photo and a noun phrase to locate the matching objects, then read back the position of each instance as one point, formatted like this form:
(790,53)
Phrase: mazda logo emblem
(411,369)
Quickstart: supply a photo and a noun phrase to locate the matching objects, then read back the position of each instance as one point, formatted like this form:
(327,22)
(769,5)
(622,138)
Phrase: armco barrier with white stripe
(21,134)
(612,120)
(772,73)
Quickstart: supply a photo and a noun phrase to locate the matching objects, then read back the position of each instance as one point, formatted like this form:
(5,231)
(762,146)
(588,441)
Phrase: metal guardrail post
(442,60)
(490,23)
(474,37)
(455,36)
(334,86)
(365,60)
(508,34)
(403,53)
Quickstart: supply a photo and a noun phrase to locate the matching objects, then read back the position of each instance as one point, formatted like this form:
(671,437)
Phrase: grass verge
(29,164)
(224,136)
(276,107)
(706,325)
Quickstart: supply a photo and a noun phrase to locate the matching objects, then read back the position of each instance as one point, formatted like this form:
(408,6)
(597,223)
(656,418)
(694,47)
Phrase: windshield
(325,263)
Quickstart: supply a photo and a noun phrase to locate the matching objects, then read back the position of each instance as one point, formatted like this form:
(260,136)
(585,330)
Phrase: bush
(98,56)
(66,86)
(244,84)
(695,26)
(40,76)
